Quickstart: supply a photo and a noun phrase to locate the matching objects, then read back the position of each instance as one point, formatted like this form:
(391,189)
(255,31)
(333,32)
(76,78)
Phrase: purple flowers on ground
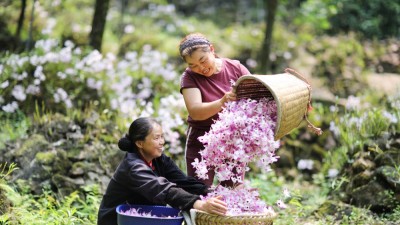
(140,213)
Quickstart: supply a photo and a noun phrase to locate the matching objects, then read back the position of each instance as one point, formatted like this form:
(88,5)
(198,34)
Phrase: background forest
(74,74)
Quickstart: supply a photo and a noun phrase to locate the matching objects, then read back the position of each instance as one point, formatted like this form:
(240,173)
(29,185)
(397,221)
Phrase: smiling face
(202,61)
(153,145)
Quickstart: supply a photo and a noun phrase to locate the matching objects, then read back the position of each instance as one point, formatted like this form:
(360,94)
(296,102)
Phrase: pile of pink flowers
(243,133)
(241,200)
(138,212)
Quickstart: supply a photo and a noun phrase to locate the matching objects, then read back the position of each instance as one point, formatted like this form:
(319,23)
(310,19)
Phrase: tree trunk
(98,23)
(30,35)
(20,19)
(124,6)
(270,8)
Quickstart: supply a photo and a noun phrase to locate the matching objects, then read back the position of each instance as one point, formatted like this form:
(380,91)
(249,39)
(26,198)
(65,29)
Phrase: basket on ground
(291,92)
(203,218)
(165,215)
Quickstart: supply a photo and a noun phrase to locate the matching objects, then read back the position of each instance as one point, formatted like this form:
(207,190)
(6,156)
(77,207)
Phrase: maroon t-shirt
(213,87)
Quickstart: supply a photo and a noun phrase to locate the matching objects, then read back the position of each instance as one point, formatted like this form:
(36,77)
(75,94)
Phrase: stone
(361,164)
(375,197)
(390,175)
(337,209)
(66,185)
(388,158)
(361,179)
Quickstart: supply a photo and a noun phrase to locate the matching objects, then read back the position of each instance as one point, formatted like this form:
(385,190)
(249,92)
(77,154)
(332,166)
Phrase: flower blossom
(240,200)
(141,213)
(19,93)
(243,133)
(286,193)
(305,164)
(353,103)
(281,204)
(10,107)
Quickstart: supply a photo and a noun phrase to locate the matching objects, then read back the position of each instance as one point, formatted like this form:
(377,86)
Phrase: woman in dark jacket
(148,177)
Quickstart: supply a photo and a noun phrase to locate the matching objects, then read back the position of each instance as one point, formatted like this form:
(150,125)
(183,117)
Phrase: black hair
(138,131)
(191,43)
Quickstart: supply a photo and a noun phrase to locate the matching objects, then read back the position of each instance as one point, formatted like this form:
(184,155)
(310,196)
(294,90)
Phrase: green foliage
(13,126)
(373,18)
(313,18)
(77,208)
(63,79)
(80,207)
(341,63)
(361,122)
(139,76)
(5,170)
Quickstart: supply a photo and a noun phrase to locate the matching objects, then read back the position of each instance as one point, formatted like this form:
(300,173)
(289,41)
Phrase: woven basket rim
(271,216)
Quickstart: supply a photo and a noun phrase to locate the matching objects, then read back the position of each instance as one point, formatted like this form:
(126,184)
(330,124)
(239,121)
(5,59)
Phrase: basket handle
(315,129)
(297,74)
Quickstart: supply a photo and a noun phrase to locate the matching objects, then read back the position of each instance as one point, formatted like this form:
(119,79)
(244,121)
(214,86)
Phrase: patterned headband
(194,41)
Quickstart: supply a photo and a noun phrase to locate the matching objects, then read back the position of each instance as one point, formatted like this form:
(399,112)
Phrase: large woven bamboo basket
(291,92)
(203,218)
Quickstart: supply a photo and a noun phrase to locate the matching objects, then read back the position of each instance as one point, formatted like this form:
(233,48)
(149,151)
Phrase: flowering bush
(243,133)
(67,77)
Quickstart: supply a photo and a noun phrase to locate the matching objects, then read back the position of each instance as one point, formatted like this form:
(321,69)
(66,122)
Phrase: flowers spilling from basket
(243,133)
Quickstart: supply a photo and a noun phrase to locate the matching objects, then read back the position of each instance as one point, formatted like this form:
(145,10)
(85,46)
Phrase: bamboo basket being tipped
(291,92)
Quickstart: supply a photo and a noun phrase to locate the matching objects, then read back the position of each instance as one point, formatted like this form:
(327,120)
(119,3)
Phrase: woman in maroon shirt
(206,85)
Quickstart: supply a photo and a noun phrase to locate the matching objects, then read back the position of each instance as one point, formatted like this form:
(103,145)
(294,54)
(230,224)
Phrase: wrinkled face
(153,145)
(202,61)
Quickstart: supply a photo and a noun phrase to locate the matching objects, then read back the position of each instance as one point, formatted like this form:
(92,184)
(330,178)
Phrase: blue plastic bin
(161,211)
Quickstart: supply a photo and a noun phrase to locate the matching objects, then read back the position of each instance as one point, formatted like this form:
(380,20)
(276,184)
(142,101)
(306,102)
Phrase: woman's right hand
(212,205)
(229,96)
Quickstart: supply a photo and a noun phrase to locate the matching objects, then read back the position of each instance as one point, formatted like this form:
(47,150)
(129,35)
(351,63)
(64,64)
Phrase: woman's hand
(229,96)
(212,205)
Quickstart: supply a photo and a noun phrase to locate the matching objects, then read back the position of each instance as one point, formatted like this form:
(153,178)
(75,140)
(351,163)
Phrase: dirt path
(389,83)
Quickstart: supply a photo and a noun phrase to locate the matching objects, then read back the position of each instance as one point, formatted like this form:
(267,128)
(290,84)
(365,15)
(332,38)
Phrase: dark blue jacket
(134,182)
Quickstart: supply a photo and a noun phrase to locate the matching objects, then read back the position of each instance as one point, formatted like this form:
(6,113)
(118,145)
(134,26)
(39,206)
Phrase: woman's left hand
(212,205)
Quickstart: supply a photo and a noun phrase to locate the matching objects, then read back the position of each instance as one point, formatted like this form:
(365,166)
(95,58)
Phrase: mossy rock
(78,169)
(361,179)
(374,196)
(46,158)
(338,209)
(388,158)
(362,164)
(66,185)
(391,176)
(57,127)
(31,146)
(57,159)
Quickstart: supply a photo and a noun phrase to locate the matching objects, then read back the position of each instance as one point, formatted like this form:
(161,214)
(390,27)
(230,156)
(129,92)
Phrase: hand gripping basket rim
(203,218)
(291,92)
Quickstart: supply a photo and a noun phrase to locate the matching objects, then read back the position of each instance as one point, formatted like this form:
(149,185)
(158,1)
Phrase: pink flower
(286,193)
(281,204)
(240,200)
(243,133)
